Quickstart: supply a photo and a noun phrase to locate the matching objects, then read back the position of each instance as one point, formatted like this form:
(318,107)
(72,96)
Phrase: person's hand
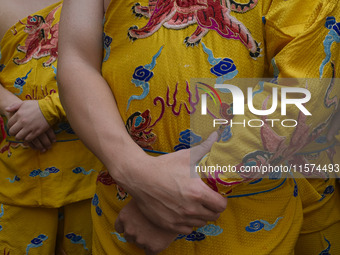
(334,126)
(15,101)
(170,194)
(139,230)
(27,123)
(43,142)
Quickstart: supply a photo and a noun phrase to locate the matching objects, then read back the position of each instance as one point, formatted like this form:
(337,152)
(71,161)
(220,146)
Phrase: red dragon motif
(278,150)
(136,126)
(42,39)
(105,178)
(207,14)
(7,147)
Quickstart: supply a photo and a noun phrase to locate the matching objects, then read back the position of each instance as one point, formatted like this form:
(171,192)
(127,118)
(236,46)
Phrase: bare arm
(162,186)
(85,95)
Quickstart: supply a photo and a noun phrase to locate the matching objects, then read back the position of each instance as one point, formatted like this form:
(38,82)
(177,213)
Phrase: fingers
(28,121)
(195,222)
(141,232)
(45,141)
(119,226)
(185,230)
(41,143)
(182,224)
(128,235)
(199,151)
(205,202)
(13,107)
(206,215)
(30,144)
(197,218)
(194,217)
(12,121)
(38,145)
(17,131)
(51,135)
(166,220)
(213,200)
(130,238)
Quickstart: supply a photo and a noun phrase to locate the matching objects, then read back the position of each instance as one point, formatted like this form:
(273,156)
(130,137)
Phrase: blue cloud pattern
(201,233)
(36,242)
(45,173)
(187,139)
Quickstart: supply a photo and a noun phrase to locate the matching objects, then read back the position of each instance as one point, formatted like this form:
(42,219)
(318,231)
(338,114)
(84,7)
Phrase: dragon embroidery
(42,39)
(136,126)
(7,147)
(277,151)
(207,14)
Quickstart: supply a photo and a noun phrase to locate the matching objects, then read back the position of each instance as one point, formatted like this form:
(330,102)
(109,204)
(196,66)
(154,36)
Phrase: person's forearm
(85,95)
(162,186)
(92,112)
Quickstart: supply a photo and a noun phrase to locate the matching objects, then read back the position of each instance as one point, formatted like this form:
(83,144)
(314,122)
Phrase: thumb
(199,151)
(14,107)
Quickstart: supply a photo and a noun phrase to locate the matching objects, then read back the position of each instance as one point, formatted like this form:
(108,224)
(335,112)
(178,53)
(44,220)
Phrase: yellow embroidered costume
(41,192)
(182,48)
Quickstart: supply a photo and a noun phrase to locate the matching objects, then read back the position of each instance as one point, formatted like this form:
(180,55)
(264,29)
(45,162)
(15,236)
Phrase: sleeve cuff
(52,109)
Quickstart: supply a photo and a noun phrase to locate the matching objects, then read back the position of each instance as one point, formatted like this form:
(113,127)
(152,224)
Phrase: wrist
(7,99)
(127,163)
(7,103)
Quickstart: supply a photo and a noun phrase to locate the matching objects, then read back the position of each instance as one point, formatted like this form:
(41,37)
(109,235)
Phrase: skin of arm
(163,188)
